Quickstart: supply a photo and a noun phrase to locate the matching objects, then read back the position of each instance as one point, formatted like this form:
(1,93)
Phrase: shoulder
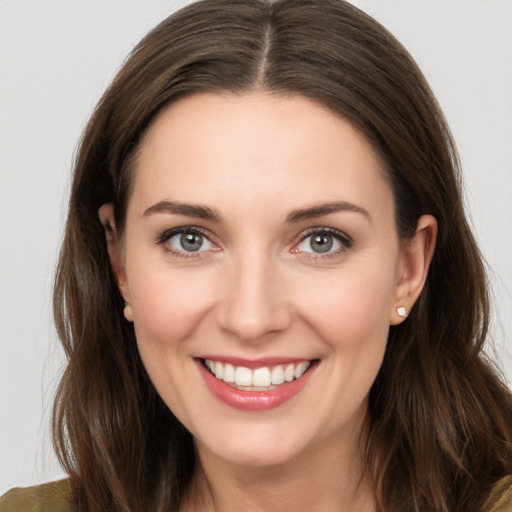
(50,497)
(500,499)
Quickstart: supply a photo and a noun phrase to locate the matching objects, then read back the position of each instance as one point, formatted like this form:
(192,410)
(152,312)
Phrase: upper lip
(254,363)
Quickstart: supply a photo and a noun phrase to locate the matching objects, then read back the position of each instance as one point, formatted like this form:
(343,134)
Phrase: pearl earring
(128,312)
(402,312)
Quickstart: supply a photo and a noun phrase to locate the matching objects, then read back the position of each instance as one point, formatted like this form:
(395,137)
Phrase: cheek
(351,308)
(168,303)
(351,316)
(169,307)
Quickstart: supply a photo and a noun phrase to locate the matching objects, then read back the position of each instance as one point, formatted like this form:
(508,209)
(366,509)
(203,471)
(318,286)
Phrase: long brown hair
(440,418)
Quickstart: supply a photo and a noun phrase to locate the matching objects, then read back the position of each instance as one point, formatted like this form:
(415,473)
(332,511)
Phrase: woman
(281,305)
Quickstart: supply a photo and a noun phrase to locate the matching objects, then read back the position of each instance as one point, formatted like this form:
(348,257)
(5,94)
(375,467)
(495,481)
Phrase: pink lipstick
(255,385)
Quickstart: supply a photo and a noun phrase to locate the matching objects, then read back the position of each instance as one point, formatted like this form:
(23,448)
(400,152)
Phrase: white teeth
(277,375)
(229,373)
(289,373)
(243,376)
(218,370)
(301,368)
(263,377)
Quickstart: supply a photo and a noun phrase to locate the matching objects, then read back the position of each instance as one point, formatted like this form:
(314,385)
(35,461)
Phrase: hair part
(440,419)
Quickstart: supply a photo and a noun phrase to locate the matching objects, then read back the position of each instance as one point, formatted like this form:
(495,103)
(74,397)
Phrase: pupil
(191,242)
(321,243)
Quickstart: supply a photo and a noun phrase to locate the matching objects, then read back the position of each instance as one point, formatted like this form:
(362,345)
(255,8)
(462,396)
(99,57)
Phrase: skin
(257,289)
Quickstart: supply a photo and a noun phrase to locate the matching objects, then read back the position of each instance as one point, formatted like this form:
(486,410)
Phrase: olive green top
(55,497)
(51,497)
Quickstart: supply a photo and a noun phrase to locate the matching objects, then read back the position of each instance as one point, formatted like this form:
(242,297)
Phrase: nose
(254,304)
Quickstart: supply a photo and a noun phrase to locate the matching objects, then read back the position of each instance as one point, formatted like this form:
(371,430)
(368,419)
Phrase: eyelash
(346,241)
(193,230)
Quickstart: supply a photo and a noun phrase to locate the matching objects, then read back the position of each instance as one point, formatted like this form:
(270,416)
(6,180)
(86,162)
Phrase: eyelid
(346,241)
(169,233)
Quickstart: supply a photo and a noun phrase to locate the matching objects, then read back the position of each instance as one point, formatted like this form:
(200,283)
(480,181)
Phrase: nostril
(254,323)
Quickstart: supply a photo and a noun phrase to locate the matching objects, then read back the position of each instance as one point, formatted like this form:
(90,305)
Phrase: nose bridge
(254,304)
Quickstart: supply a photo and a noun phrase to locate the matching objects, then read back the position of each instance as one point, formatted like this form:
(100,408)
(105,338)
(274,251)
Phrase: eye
(183,241)
(323,241)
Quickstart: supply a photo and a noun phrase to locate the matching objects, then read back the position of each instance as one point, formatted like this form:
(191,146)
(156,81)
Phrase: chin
(255,449)
(258,458)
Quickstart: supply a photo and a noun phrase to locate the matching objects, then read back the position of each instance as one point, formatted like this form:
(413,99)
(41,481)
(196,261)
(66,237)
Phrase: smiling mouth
(264,378)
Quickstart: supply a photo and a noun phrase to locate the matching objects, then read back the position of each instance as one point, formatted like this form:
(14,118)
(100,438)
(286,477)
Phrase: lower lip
(253,400)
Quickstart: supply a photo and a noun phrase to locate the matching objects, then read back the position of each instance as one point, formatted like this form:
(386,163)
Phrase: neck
(328,478)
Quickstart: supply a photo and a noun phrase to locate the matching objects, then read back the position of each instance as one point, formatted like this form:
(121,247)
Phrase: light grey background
(56,58)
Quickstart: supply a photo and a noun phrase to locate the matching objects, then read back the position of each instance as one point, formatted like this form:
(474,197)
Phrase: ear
(415,258)
(106,215)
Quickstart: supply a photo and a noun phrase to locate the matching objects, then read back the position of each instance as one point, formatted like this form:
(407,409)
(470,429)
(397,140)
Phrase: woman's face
(260,244)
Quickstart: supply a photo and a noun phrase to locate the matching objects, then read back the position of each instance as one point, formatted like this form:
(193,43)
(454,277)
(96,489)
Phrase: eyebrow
(204,212)
(325,209)
(189,210)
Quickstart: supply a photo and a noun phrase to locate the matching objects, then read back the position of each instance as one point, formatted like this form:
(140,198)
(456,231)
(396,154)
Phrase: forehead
(255,147)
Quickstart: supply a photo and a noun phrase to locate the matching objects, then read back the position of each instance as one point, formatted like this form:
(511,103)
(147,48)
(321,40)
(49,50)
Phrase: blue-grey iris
(321,243)
(191,242)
